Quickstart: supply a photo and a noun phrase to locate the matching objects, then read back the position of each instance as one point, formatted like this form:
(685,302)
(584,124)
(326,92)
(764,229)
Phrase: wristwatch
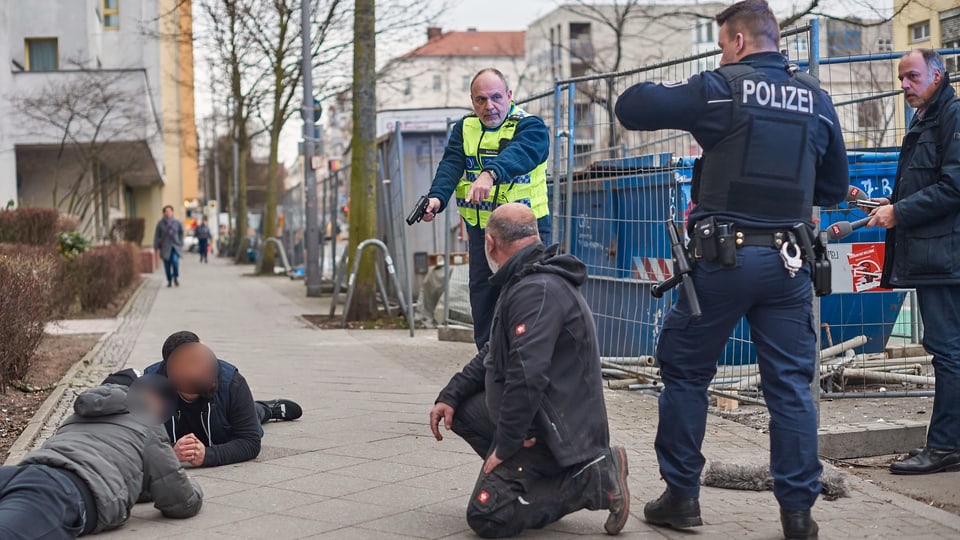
(492,173)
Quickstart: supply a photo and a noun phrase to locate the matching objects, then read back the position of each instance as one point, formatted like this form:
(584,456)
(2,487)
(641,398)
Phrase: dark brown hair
(753,18)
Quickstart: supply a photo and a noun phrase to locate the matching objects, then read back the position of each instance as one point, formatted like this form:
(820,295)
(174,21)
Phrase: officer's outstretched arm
(671,105)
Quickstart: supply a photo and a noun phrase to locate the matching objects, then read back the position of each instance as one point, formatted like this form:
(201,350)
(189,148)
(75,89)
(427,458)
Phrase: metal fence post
(558,136)
(568,219)
(403,230)
(446,249)
(814,68)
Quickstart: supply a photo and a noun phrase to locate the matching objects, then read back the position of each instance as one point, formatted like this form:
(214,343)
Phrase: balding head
(511,227)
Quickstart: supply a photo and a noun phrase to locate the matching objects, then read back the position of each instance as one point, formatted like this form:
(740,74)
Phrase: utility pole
(312,237)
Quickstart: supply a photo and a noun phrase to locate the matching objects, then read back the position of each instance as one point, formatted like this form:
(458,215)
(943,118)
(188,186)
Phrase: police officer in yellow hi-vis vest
(495,156)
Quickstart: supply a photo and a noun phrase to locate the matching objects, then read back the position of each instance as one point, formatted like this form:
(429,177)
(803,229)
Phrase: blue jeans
(37,501)
(483,294)
(940,308)
(172,266)
(779,309)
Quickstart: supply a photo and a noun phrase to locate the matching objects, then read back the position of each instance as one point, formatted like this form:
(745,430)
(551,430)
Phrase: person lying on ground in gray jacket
(110,454)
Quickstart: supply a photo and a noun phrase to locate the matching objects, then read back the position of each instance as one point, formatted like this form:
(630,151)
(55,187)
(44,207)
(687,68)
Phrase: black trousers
(529,490)
(37,502)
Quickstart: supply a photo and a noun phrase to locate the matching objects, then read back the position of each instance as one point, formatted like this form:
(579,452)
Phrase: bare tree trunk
(270,212)
(363,165)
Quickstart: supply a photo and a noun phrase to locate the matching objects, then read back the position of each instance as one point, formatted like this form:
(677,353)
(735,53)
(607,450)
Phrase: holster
(715,242)
(822,277)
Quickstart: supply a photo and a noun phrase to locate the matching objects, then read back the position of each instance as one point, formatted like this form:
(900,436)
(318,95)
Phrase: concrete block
(848,441)
(458,334)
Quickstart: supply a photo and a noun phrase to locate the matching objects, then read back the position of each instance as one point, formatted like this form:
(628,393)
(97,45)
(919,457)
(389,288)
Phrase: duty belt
(761,238)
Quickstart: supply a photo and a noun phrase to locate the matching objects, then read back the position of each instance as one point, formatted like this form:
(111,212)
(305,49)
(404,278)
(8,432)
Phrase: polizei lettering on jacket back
(777,96)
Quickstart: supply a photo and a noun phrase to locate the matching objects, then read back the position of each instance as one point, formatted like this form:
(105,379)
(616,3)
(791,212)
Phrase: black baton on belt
(682,268)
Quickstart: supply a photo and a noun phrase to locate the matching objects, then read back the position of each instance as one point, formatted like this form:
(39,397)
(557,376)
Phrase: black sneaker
(176,282)
(169,284)
(620,494)
(673,511)
(798,524)
(283,409)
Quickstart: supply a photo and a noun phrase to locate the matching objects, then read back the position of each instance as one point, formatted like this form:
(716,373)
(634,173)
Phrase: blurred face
(491,100)
(167,212)
(192,370)
(150,403)
(731,45)
(917,80)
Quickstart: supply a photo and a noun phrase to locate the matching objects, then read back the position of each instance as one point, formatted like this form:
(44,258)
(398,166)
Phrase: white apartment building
(97,101)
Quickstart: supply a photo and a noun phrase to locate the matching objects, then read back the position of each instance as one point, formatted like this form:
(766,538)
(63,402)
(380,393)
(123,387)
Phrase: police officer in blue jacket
(772,148)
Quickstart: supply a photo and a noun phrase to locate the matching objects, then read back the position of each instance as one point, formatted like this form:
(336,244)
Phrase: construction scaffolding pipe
(839,348)
(886,378)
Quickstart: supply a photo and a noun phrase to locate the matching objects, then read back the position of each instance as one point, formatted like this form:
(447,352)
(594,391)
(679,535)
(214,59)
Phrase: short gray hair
(508,232)
(933,60)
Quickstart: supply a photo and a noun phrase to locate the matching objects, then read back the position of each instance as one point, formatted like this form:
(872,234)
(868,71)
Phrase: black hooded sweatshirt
(541,367)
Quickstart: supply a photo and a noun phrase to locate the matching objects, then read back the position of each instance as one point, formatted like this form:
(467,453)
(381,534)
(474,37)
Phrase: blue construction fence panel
(617,214)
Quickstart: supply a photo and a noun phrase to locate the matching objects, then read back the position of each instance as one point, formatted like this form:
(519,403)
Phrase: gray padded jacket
(122,458)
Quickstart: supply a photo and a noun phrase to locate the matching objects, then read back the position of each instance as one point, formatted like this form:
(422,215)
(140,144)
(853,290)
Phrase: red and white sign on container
(856,268)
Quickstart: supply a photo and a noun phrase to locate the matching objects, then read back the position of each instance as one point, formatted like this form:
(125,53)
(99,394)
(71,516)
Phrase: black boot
(619,492)
(673,511)
(928,461)
(798,524)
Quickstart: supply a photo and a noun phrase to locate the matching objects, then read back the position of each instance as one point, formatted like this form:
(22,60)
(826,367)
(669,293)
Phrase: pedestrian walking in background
(168,241)
(203,240)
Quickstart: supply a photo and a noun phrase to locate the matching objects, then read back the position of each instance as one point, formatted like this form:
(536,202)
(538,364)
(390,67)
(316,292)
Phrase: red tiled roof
(473,43)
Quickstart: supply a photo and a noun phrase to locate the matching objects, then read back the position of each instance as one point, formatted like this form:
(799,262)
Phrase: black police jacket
(541,367)
(924,247)
(703,105)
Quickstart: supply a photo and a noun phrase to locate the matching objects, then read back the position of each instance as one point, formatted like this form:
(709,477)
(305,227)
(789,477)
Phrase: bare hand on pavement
(440,411)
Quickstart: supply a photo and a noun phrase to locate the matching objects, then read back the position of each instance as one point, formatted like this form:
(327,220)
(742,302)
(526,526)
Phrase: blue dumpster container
(618,209)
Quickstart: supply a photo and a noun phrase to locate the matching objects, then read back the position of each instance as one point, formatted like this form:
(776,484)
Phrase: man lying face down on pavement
(107,456)
(215,420)
(531,402)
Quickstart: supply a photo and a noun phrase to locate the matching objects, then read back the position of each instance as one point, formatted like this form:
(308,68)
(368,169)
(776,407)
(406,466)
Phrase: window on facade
(408,86)
(920,31)
(884,45)
(466,83)
(952,62)
(868,115)
(41,54)
(437,83)
(111,14)
(705,32)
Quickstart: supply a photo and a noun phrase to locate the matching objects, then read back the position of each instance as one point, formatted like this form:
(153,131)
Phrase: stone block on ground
(849,441)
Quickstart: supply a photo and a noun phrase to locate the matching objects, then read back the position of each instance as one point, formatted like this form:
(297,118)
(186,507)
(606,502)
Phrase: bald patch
(512,222)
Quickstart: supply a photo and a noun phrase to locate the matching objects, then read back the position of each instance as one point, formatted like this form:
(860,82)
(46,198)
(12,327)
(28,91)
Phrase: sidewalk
(362,464)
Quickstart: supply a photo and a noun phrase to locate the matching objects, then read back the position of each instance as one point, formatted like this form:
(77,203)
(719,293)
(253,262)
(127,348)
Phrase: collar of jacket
(519,265)
(940,99)
(766,59)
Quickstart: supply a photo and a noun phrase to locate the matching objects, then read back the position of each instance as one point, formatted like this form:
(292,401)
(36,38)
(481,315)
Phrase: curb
(922,510)
(22,445)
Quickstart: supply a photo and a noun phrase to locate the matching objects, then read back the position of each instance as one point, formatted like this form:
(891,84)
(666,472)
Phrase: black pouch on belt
(705,240)
(727,245)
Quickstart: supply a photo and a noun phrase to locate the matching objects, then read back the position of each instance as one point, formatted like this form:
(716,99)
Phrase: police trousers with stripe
(529,490)
(779,310)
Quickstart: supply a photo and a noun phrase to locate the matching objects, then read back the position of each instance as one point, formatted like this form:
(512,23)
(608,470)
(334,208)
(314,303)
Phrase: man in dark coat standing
(531,402)
(922,219)
(168,241)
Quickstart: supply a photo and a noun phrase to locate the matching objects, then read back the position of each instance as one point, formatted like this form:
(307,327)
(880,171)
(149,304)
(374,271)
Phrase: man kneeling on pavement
(107,456)
(531,402)
(215,420)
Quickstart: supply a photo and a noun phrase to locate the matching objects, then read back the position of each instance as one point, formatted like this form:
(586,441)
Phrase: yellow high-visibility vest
(479,144)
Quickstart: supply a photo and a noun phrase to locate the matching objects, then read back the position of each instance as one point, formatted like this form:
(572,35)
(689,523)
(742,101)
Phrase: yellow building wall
(148,204)
(177,105)
(916,12)
(188,123)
